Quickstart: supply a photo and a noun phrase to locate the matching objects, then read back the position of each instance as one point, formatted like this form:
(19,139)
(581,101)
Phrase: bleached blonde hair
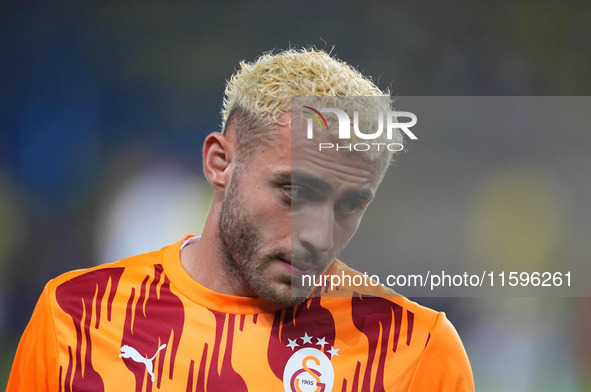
(258,95)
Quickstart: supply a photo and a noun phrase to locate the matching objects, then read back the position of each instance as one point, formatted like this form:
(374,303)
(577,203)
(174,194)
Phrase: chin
(282,295)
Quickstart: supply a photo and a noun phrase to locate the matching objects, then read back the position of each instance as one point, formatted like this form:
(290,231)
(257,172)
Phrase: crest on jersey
(309,369)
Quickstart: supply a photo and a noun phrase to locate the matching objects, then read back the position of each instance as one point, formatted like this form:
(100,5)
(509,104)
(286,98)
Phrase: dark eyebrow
(304,179)
(321,185)
(359,195)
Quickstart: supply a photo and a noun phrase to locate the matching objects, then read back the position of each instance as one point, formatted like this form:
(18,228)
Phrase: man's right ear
(217,157)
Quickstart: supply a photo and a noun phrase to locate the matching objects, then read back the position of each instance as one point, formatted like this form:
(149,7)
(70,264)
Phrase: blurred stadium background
(104,106)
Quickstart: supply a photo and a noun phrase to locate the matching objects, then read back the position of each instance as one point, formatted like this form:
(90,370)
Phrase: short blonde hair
(264,87)
(258,95)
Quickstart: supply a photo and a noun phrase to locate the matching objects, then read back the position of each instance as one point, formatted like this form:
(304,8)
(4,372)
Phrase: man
(227,311)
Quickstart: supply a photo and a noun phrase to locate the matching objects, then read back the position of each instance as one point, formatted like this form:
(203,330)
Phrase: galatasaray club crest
(309,369)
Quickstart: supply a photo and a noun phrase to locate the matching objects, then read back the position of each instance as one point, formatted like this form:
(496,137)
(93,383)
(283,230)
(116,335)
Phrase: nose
(315,228)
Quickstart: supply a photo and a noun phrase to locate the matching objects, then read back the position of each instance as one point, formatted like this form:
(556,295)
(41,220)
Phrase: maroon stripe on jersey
(355,386)
(76,298)
(155,319)
(242,318)
(428,337)
(201,375)
(374,317)
(60,378)
(227,378)
(190,380)
(67,382)
(410,318)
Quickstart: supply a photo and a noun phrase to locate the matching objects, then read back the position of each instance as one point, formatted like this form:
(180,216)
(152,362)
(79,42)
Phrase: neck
(206,261)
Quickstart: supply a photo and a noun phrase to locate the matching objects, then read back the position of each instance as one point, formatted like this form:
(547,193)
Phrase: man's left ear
(217,156)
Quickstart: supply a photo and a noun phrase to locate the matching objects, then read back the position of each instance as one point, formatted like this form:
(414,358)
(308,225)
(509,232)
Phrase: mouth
(298,268)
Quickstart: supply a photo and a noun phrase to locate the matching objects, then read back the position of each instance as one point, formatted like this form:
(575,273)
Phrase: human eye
(296,193)
(350,206)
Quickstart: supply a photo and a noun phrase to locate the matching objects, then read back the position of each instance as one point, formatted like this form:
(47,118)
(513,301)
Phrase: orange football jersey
(143,324)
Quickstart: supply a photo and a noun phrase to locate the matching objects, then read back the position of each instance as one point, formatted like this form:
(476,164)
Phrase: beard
(240,243)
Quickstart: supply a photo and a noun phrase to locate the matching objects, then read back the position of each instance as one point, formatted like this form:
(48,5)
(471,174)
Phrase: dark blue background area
(83,83)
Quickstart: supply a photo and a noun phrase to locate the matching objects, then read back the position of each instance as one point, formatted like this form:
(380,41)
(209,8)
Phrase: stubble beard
(239,242)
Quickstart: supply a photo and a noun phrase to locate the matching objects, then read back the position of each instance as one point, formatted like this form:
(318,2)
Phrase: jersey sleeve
(444,364)
(35,363)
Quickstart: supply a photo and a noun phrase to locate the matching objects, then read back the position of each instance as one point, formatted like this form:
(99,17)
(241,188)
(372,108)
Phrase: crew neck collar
(200,294)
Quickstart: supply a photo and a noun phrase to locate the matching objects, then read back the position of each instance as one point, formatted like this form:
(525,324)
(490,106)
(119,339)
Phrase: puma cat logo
(130,352)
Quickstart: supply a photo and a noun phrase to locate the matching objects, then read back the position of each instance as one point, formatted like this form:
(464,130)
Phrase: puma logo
(130,352)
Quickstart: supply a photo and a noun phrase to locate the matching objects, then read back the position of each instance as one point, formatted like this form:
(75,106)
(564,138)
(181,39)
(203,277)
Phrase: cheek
(268,211)
(345,230)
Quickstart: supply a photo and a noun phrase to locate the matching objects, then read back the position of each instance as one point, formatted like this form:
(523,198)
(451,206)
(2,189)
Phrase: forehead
(287,151)
(333,166)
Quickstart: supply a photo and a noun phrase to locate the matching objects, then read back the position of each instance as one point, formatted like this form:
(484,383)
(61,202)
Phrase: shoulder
(370,294)
(433,352)
(444,364)
(441,360)
(101,275)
